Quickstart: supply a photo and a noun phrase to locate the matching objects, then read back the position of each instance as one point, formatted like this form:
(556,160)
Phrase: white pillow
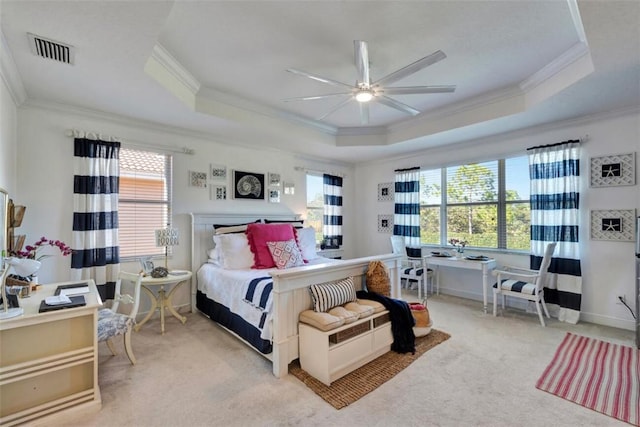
(307,242)
(234,252)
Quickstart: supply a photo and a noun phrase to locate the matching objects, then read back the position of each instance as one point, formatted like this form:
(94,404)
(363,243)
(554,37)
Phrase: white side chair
(413,269)
(523,283)
(111,323)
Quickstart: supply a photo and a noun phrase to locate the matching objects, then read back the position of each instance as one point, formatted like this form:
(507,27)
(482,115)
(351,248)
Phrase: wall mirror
(4,220)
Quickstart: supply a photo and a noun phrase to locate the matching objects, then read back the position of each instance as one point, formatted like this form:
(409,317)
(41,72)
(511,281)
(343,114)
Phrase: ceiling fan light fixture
(364,95)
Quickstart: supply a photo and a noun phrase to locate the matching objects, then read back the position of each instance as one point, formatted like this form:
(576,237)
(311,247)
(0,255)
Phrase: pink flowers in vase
(33,251)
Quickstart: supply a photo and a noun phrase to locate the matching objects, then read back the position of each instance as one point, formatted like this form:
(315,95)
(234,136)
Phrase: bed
(277,340)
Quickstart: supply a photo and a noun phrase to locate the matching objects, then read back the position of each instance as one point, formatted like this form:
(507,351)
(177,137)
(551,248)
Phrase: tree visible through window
(486,204)
(145,201)
(315,204)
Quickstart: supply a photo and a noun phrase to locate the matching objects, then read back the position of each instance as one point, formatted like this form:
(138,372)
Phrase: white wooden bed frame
(290,286)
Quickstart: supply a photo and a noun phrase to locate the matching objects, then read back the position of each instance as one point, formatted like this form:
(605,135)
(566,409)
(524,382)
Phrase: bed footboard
(291,297)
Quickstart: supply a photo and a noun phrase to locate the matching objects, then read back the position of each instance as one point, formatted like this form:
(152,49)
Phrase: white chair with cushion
(523,283)
(413,270)
(111,323)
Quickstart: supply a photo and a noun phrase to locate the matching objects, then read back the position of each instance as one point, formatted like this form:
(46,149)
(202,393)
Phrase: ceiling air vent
(51,49)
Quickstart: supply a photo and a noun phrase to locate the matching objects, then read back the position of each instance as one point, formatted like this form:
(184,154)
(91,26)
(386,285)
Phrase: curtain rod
(570,141)
(75,133)
(319,171)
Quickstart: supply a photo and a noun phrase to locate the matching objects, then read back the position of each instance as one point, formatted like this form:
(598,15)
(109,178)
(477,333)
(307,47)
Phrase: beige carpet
(484,375)
(346,390)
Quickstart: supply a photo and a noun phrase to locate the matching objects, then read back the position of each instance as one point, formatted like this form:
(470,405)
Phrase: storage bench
(331,354)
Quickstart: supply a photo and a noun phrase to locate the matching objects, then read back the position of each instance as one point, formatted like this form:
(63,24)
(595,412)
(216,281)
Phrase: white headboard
(202,235)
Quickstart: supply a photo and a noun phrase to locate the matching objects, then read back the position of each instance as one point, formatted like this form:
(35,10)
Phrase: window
(486,204)
(144,202)
(315,204)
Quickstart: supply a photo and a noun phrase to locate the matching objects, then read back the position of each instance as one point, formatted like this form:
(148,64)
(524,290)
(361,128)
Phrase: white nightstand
(162,301)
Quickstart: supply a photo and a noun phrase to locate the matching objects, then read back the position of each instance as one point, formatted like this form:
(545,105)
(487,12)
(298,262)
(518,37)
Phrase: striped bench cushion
(517,286)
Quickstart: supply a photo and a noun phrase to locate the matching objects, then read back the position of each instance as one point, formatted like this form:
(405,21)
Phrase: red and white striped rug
(598,375)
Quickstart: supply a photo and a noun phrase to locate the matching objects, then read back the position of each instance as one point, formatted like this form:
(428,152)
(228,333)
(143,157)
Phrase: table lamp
(167,237)
(22,267)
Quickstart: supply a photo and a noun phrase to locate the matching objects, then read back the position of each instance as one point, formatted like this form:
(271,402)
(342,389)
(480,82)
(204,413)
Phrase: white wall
(45,180)
(607,267)
(8,139)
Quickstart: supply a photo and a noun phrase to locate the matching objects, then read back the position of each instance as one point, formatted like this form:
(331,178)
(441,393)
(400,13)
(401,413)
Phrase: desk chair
(522,283)
(412,269)
(111,323)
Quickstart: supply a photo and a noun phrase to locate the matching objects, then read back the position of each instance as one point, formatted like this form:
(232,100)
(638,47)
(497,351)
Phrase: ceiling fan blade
(362,61)
(318,78)
(335,108)
(313,97)
(397,105)
(364,113)
(411,68)
(418,89)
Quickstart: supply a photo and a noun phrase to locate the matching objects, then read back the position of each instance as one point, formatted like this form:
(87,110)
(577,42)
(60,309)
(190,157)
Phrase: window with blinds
(144,202)
(485,204)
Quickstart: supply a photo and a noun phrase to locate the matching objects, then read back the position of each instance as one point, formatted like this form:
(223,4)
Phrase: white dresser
(49,361)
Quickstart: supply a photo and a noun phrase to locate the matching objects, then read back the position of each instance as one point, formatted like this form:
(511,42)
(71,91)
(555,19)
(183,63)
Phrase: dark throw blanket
(402,321)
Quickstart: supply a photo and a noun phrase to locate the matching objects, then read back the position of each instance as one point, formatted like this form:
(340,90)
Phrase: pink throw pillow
(260,234)
(285,254)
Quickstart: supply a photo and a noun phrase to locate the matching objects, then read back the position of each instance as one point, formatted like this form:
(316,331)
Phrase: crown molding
(565,60)
(9,73)
(170,64)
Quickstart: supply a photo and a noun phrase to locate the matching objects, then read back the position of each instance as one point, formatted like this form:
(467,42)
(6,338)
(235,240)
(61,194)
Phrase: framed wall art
(218,172)
(614,170)
(386,192)
(613,224)
(218,192)
(197,179)
(248,185)
(274,196)
(274,179)
(385,223)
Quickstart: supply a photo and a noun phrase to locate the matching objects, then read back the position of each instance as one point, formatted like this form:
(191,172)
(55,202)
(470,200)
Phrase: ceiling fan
(366,91)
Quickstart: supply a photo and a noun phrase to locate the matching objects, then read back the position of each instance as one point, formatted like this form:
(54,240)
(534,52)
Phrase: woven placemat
(346,390)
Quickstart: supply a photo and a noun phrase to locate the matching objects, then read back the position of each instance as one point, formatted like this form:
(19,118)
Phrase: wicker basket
(378,278)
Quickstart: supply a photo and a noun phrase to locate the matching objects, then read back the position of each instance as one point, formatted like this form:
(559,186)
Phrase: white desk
(453,262)
(163,301)
(49,361)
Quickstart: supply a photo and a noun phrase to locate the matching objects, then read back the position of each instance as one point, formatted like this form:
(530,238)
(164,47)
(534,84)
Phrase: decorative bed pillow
(325,296)
(233,251)
(285,254)
(307,242)
(260,234)
(231,228)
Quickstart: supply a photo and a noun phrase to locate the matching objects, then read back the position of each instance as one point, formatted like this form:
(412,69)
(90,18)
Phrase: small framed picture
(385,223)
(613,170)
(289,188)
(385,192)
(218,172)
(147,265)
(274,196)
(197,179)
(274,179)
(613,225)
(218,192)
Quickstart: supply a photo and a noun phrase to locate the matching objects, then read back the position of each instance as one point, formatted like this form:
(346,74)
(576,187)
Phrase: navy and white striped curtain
(95,214)
(406,219)
(555,195)
(332,218)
